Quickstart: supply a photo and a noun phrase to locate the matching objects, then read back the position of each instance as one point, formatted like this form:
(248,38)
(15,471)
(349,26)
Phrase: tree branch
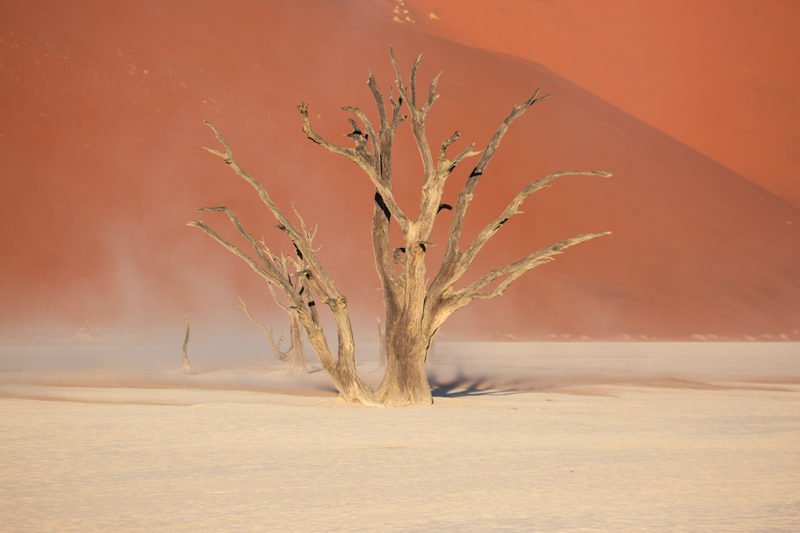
(298,238)
(276,346)
(445,145)
(268,275)
(367,125)
(227,157)
(416,113)
(412,80)
(432,94)
(381,213)
(260,325)
(445,166)
(367,164)
(379,102)
(260,248)
(268,331)
(417,116)
(494,226)
(465,196)
(513,271)
(401,87)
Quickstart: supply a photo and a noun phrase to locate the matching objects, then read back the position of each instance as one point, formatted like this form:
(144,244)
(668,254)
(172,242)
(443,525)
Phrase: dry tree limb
(260,325)
(465,196)
(276,346)
(466,259)
(341,368)
(513,271)
(365,161)
(265,272)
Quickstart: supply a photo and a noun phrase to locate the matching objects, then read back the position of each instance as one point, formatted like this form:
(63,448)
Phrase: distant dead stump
(186,366)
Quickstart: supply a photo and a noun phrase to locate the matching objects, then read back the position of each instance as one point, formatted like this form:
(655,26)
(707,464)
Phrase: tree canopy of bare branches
(415,308)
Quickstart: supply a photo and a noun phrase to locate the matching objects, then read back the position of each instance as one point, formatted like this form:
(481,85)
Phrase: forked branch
(370,131)
(267,274)
(512,210)
(364,160)
(465,196)
(416,113)
(276,346)
(299,238)
(511,272)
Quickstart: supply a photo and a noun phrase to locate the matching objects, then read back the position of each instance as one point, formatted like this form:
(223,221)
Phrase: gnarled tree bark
(414,308)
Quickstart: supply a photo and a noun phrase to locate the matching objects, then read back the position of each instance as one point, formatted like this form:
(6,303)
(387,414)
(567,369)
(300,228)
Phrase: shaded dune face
(725,87)
(103,167)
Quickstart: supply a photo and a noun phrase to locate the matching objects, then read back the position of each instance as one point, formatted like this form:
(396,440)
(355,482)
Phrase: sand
(656,453)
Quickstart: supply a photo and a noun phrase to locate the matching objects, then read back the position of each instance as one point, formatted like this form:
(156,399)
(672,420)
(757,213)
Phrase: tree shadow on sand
(462,386)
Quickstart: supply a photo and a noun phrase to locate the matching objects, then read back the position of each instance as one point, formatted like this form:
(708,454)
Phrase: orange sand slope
(718,75)
(101,147)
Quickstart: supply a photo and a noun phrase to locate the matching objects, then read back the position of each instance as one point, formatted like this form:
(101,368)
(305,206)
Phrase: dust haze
(242,359)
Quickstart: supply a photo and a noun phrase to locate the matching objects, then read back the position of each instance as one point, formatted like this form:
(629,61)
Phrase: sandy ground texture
(609,438)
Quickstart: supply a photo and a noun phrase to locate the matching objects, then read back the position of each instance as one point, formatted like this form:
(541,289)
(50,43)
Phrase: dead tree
(415,309)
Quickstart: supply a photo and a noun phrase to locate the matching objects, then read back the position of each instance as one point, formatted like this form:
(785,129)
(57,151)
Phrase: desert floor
(550,437)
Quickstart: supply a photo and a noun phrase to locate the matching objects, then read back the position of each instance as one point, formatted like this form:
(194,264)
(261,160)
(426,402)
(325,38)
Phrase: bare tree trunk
(431,357)
(405,381)
(381,345)
(296,353)
(407,341)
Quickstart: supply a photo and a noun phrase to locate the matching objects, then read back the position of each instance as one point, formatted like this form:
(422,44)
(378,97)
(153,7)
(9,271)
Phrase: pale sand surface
(685,455)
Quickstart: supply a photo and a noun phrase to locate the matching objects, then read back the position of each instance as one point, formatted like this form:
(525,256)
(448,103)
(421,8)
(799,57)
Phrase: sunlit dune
(102,147)
(716,75)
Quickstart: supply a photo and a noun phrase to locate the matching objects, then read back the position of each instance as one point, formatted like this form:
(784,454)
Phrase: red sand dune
(100,142)
(718,75)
